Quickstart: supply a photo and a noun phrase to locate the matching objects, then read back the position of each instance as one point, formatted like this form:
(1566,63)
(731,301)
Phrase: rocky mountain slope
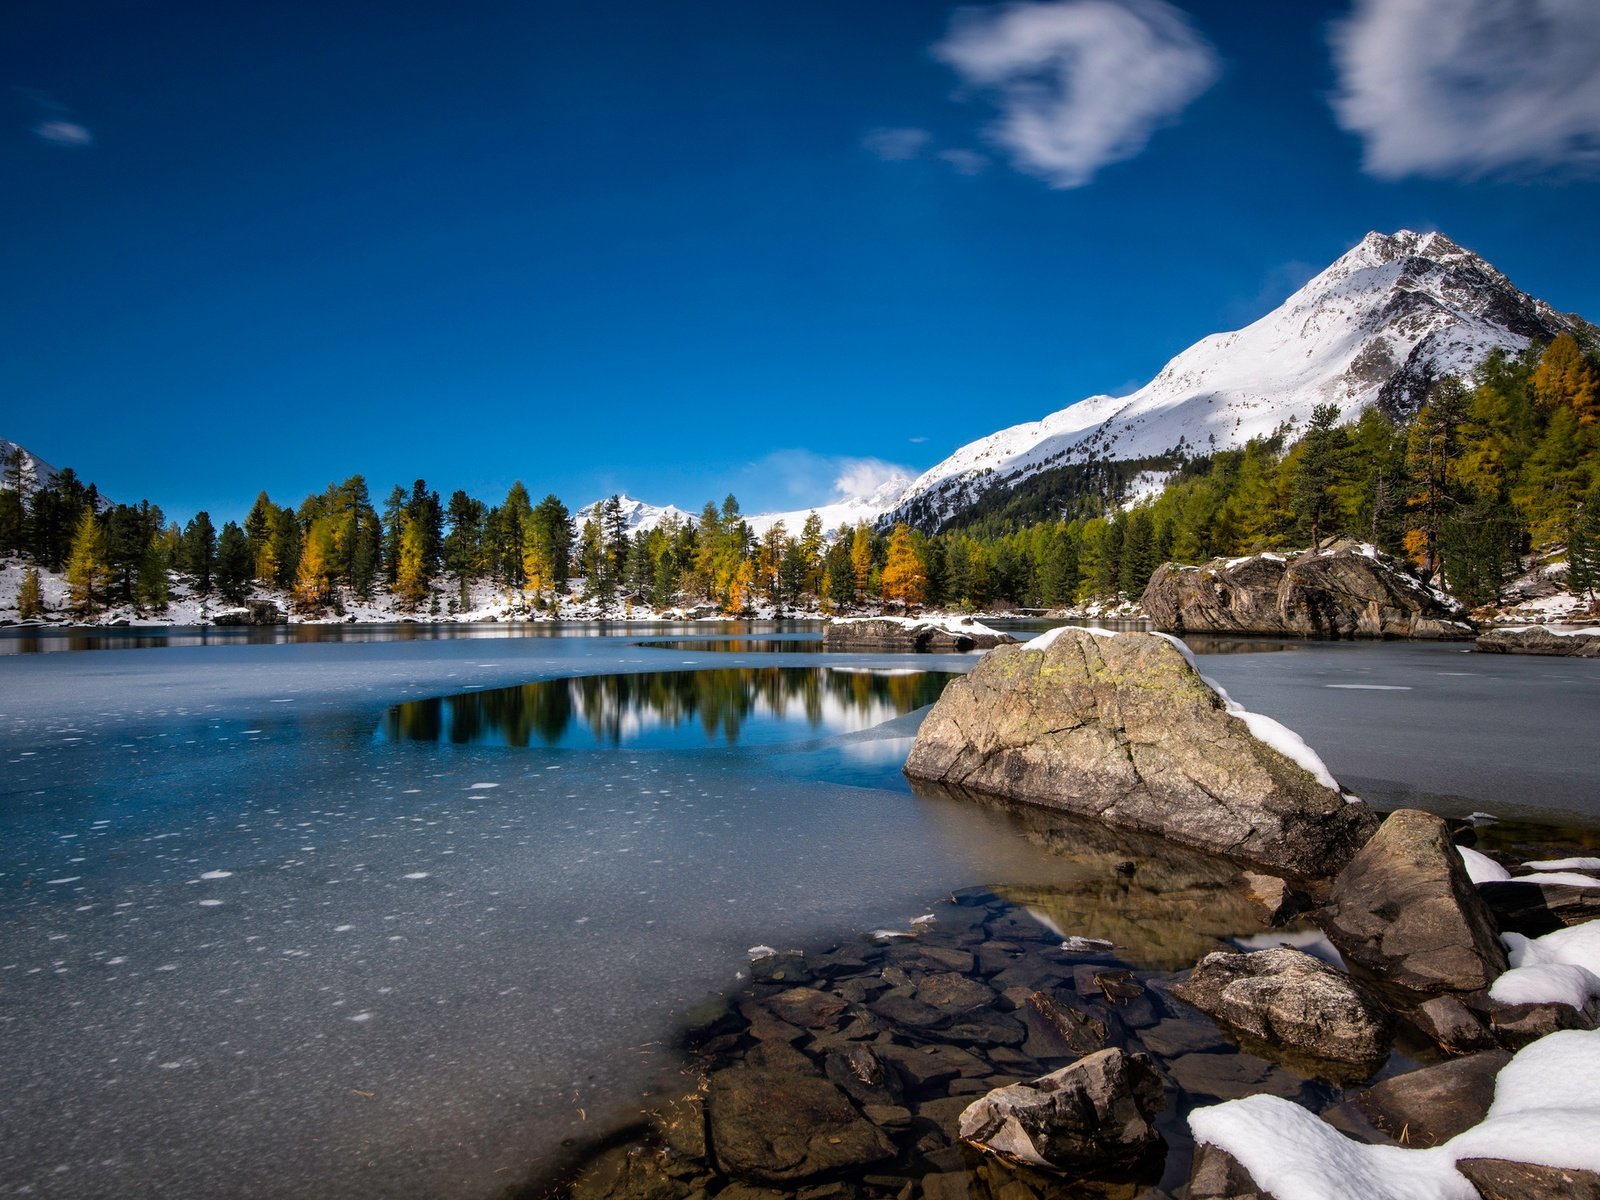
(36,473)
(1376,328)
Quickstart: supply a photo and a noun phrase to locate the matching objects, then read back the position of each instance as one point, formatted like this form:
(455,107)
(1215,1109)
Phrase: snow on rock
(1392,314)
(1546,1111)
(1565,864)
(1480,867)
(1562,967)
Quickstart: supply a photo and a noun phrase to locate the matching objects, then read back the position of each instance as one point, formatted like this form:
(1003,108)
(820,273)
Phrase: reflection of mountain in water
(665,707)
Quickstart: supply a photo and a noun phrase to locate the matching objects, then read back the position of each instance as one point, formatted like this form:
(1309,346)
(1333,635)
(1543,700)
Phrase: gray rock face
(1123,729)
(1535,640)
(923,637)
(1434,1104)
(1405,909)
(1497,1179)
(1535,909)
(1289,999)
(1341,592)
(1096,1113)
(781,1126)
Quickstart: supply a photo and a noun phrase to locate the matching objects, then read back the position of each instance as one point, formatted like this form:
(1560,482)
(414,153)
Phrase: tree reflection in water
(663,708)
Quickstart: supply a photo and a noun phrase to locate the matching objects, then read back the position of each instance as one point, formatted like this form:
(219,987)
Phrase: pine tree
(200,551)
(1317,473)
(234,565)
(1583,550)
(150,589)
(88,571)
(30,599)
(1566,379)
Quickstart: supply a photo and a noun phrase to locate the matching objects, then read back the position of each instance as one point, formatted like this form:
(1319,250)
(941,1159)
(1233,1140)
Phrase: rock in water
(1097,1113)
(1406,909)
(930,636)
(1124,729)
(1575,643)
(782,1126)
(1348,590)
(1287,998)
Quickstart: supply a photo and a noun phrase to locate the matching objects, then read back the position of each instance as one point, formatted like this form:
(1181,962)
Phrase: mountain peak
(1376,328)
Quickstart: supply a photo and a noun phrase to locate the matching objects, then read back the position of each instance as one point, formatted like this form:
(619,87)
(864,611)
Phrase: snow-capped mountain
(36,473)
(638,515)
(1377,327)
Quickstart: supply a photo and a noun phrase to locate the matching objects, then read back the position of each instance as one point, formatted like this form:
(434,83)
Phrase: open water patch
(669,710)
(774,645)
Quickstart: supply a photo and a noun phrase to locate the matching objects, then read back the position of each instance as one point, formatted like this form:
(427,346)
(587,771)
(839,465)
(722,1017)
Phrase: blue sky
(686,249)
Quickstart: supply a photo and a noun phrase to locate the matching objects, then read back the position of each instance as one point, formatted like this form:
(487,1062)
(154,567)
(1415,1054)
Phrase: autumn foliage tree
(904,580)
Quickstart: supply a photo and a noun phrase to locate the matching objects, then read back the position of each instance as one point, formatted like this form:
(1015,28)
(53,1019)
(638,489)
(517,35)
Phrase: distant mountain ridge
(1377,327)
(36,473)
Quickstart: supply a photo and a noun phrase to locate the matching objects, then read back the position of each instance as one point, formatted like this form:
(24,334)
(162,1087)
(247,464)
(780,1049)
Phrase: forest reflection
(668,709)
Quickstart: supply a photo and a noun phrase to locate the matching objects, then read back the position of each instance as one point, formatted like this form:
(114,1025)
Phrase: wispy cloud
(965,162)
(1469,88)
(63,133)
(1079,83)
(53,122)
(896,145)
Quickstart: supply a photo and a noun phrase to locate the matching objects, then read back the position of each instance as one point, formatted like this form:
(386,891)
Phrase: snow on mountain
(1377,327)
(640,517)
(36,473)
(845,511)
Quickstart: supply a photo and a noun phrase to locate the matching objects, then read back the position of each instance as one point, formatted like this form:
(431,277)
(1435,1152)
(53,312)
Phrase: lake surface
(266,931)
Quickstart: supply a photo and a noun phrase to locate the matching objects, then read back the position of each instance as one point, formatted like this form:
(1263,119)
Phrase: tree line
(1475,479)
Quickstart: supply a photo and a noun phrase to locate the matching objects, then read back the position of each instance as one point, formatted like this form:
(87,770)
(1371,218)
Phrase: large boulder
(1536,639)
(930,636)
(1347,590)
(1097,1113)
(1406,909)
(1290,1000)
(1123,728)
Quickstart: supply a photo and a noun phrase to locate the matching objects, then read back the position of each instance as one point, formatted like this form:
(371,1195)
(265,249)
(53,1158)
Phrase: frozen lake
(264,933)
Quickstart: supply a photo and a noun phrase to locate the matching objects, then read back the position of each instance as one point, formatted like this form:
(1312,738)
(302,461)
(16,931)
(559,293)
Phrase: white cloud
(1079,83)
(1470,87)
(859,478)
(965,162)
(786,479)
(896,145)
(63,133)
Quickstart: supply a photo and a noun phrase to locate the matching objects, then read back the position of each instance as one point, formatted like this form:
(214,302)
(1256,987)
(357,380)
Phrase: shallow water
(248,947)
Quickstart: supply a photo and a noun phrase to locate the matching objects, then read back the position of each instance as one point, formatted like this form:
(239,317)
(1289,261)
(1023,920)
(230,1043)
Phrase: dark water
(666,710)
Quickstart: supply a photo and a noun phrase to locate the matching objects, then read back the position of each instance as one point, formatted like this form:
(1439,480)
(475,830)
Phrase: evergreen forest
(1476,479)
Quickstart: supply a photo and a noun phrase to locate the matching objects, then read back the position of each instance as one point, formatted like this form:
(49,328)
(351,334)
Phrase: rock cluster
(1346,590)
(1122,728)
(1535,639)
(903,634)
(252,612)
(859,1064)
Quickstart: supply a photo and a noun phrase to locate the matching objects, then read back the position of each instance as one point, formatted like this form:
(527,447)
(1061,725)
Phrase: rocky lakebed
(1245,984)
